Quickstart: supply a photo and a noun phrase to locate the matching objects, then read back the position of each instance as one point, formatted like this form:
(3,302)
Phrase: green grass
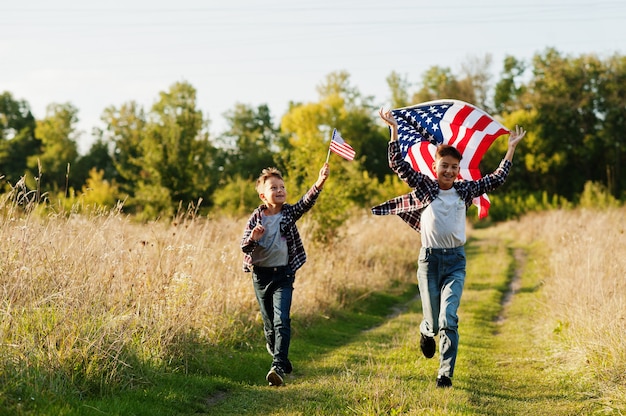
(365,360)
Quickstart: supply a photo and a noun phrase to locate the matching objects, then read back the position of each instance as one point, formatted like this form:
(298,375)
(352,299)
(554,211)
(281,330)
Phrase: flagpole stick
(329,144)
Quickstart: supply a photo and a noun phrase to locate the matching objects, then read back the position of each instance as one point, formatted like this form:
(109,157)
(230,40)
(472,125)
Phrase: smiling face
(273,191)
(447,171)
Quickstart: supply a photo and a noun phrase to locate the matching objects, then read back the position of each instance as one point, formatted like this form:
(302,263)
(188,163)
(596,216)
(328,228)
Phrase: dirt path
(501,370)
(519,256)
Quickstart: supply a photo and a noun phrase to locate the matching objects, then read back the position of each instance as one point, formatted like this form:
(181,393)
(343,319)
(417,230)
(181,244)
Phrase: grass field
(101,315)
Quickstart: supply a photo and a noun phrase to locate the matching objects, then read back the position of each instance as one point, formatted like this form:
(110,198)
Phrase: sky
(100,54)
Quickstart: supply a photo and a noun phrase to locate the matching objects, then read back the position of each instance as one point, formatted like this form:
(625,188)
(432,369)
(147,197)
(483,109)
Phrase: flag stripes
(340,147)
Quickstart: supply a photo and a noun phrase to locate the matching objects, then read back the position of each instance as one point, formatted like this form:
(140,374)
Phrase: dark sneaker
(275,377)
(428,346)
(444,382)
(288,367)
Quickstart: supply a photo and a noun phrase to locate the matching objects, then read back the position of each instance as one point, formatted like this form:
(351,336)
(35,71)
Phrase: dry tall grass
(584,289)
(88,300)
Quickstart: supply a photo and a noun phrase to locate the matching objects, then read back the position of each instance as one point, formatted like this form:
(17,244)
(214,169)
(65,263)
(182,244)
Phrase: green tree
(510,88)
(250,142)
(17,137)
(309,128)
(564,93)
(355,116)
(59,149)
(438,82)
(98,158)
(236,197)
(308,134)
(126,128)
(471,85)
(573,108)
(99,192)
(521,175)
(476,81)
(399,87)
(611,98)
(164,158)
(177,152)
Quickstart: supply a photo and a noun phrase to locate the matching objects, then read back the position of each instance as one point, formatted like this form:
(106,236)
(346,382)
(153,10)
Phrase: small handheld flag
(339,146)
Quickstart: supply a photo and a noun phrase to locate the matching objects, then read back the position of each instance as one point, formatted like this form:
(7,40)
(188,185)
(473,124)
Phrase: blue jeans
(441,276)
(273,287)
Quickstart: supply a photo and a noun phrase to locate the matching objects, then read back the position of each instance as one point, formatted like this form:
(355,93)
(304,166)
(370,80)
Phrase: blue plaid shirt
(409,207)
(291,214)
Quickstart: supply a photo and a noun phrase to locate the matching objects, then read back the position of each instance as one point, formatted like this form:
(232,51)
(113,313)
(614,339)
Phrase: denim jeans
(273,287)
(441,276)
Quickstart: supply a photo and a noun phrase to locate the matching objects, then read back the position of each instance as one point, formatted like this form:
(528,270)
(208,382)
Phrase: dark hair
(447,150)
(266,174)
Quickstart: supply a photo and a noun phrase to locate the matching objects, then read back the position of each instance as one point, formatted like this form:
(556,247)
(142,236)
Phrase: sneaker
(428,346)
(275,377)
(288,366)
(444,382)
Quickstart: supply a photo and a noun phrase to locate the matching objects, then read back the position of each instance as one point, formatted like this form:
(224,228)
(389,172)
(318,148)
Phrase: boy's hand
(258,230)
(516,136)
(324,173)
(388,117)
(391,121)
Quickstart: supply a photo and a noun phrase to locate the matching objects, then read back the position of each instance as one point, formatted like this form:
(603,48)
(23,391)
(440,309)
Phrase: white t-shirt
(443,221)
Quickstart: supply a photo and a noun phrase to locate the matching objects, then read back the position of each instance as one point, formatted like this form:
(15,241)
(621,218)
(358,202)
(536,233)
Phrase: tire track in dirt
(514,285)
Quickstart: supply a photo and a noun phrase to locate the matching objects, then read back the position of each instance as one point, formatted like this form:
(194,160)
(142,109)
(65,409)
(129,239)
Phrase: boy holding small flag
(273,252)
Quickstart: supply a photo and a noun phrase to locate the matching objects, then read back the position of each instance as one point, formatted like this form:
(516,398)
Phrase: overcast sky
(97,54)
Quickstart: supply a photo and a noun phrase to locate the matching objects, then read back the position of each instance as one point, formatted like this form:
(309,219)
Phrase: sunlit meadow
(583,291)
(91,302)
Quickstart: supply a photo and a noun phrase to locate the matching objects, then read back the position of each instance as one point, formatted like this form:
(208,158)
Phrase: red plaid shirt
(291,214)
(409,207)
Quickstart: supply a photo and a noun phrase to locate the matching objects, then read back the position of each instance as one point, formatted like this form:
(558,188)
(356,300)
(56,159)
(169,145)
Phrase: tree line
(162,159)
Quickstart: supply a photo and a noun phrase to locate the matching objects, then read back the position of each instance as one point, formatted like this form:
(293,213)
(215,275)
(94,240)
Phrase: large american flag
(422,127)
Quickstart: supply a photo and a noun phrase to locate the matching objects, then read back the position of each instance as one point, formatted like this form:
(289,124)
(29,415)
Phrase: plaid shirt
(291,214)
(409,207)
